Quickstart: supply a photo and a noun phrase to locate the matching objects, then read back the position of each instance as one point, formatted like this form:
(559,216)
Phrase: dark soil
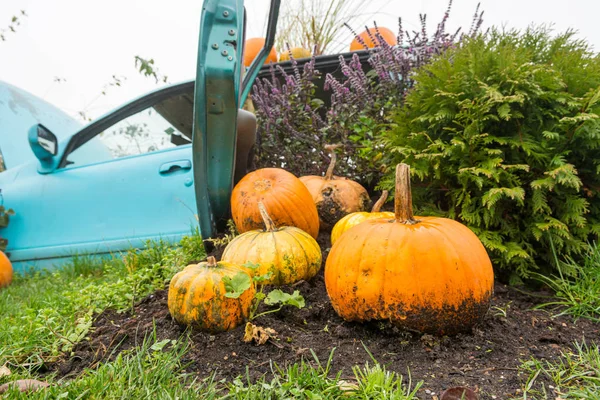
(485,360)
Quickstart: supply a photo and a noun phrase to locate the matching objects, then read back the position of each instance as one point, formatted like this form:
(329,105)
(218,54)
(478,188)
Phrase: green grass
(575,376)
(577,287)
(45,314)
(155,370)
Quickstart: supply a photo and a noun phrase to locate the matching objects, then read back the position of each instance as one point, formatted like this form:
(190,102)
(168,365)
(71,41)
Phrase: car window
(164,125)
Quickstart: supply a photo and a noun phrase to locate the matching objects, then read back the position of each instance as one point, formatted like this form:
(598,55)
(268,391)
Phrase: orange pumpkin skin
(297,53)
(197,297)
(6,270)
(356,218)
(387,35)
(336,198)
(251,49)
(427,274)
(289,202)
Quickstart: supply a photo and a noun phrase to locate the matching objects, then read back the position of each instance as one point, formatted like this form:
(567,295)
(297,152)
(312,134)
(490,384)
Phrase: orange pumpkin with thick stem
(289,254)
(251,49)
(356,218)
(197,297)
(335,196)
(426,274)
(6,270)
(387,35)
(289,202)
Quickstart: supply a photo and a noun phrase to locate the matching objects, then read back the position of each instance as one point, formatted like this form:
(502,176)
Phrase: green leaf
(278,297)
(237,285)
(251,265)
(263,278)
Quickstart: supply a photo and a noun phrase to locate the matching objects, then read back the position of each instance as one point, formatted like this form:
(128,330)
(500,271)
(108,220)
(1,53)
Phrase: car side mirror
(43,142)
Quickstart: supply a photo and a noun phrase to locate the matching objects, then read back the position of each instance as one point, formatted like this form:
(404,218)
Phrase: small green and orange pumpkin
(287,254)
(197,297)
(426,274)
(335,196)
(356,218)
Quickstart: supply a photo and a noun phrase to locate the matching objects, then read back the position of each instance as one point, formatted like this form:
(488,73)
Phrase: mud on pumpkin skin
(335,196)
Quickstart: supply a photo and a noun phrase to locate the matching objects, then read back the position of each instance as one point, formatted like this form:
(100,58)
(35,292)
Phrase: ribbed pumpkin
(297,53)
(422,273)
(289,202)
(387,35)
(6,270)
(197,297)
(288,253)
(356,218)
(251,49)
(335,196)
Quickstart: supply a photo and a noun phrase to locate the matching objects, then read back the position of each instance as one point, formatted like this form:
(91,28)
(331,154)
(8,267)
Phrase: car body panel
(97,204)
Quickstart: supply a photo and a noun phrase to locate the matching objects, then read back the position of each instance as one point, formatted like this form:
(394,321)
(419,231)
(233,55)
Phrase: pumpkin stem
(331,148)
(211,261)
(403,201)
(380,202)
(269,224)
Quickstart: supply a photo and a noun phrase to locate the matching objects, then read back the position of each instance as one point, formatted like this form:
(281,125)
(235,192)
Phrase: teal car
(122,180)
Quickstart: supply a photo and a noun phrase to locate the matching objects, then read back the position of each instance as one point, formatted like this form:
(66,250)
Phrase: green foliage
(148,69)
(237,285)
(285,299)
(501,133)
(575,376)
(45,314)
(15,22)
(304,381)
(241,282)
(4,218)
(577,295)
(155,370)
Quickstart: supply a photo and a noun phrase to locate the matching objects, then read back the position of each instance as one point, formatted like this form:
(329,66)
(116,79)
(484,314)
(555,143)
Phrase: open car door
(219,92)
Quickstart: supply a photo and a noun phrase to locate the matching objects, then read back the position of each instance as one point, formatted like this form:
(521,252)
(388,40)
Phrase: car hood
(19,111)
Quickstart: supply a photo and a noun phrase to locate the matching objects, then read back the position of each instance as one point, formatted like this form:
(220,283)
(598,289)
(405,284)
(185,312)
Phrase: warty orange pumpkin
(289,254)
(289,202)
(356,218)
(6,270)
(197,297)
(335,196)
(422,273)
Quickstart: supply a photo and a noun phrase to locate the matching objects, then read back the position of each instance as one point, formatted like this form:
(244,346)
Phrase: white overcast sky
(85,42)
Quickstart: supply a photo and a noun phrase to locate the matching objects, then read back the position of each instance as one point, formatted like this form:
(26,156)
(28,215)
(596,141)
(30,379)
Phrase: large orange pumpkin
(335,196)
(288,253)
(289,202)
(197,297)
(297,53)
(422,273)
(6,270)
(356,218)
(251,49)
(387,35)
